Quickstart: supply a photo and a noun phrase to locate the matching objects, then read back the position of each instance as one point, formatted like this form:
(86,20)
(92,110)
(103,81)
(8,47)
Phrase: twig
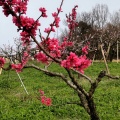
(46,66)
(74,81)
(95,84)
(113,77)
(98,79)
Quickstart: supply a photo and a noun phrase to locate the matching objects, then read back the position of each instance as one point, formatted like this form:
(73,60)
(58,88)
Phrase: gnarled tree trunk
(93,113)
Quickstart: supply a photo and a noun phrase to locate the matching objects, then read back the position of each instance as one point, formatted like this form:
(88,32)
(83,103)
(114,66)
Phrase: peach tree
(52,50)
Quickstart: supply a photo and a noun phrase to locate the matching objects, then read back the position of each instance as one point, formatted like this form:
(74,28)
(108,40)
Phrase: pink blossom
(54,14)
(52,29)
(41,57)
(78,63)
(71,19)
(43,10)
(17,67)
(25,58)
(74,13)
(25,54)
(27,24)
(2,62)
(41,92)
(53,47)
(44,100)
(85,49)
(66,43)
(48,102)
(47,30)
(25,37)
(57,20)
(53,44)
(71,61)
(59,9)
(83,63)
(20,6)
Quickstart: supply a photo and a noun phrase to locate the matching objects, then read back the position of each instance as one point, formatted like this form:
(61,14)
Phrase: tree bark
(93,113)
(89,105)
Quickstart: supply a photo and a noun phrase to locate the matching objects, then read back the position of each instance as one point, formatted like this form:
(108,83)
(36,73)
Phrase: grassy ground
(15,104)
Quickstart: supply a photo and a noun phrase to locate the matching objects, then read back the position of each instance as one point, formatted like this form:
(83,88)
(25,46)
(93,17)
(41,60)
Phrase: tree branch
(95,84)
(80,88)
(41,47)
(53,74)
(113,77)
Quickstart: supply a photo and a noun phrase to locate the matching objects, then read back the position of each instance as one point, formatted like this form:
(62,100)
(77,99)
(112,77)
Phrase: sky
(8,31)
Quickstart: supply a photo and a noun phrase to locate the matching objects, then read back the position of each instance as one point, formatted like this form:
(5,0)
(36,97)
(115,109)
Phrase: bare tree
(100,14)
(88,18)
(8,52)
(14,53)
(115,18)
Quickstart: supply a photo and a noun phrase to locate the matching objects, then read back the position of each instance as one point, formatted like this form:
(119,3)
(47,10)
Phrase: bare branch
(99,78)
(80,88)
(113,77)
(95,84)
(53,74)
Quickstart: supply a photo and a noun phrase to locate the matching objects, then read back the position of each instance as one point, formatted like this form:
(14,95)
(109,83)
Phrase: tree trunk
(89,105)
(93,113)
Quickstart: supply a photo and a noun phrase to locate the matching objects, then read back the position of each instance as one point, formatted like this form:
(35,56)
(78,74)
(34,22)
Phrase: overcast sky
(8,30)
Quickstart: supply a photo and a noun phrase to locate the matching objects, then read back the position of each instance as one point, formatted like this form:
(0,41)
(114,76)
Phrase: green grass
(15,104)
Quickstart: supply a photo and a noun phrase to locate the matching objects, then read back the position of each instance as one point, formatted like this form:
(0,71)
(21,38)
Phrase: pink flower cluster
(43,10)
(57,20)
(85,49)
(78,63)
(48,30)
(28,25)
(2,62)
(74,13)
(19,6)
(44,100)
(18,67)
(55,48)
(55,23)
(71,19)
(41,57)
(66,43)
